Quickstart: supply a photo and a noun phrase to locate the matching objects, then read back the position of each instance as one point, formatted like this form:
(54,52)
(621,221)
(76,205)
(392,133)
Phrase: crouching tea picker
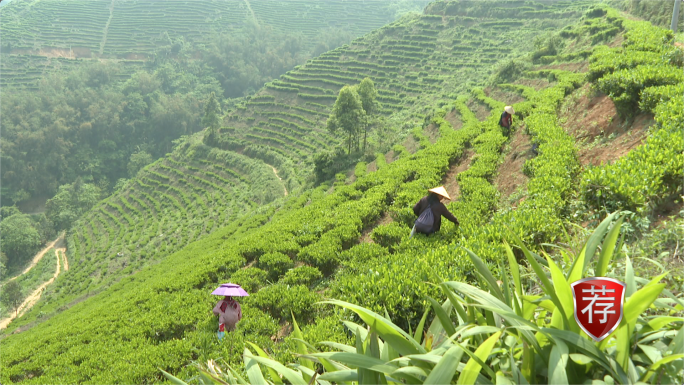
(228,309)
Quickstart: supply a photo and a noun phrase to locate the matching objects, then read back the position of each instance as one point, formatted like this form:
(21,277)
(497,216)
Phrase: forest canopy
(85,123)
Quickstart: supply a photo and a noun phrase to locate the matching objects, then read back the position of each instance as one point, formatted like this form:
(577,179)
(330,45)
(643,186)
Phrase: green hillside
(197,189)
(40,37)
(144,260)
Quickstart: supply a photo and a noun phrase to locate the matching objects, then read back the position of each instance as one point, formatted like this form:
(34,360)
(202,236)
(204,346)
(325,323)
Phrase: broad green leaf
(472,368)
(501,379)
(558,361)
(273,373)
(355,360)
(651,352)
(356,328)
(173,379)
(653,368)
(486,274)
(580,358)
(576,270)
(544,280)
(640,301)
(443,317)
(454,302)
(295,378)
(595,239)
(301,347)
(608,249)
(518,378)
(312,374)
(479,330)
(515,270)
(252,368)
(589,349)
(563,291)
(419,330)
(445,369)
(340,376)
(658,323)
(489,302)
(399,340)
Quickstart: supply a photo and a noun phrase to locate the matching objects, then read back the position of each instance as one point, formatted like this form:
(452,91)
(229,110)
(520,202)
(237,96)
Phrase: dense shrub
(251,278)
(280,301)
(275,265)
(303,275)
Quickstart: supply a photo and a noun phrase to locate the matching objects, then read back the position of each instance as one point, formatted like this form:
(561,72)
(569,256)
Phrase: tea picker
(228,309)
(430,211)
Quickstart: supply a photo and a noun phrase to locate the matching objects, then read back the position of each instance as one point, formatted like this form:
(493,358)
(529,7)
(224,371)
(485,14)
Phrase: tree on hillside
(20,239)
(347,114)
(211,120)
(137,161)
(11,295)
(368,94)
(71,201)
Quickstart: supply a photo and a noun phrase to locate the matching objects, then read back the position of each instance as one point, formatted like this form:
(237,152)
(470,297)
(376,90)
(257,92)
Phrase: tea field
(143,261)
(51,35)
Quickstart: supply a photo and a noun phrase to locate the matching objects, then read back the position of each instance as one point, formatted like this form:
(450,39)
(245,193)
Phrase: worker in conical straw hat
(430,211)
(506,120)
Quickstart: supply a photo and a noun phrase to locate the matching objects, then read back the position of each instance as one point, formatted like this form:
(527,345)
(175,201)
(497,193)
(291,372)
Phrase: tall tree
(211,120)
(368,94)
(347,114)
(11,295)
(20,239)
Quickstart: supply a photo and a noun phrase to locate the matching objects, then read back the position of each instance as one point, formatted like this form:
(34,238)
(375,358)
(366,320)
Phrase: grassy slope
(40,32)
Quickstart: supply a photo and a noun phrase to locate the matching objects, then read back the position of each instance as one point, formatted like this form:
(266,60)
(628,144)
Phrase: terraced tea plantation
(414,63)
(246,212)
(34,31)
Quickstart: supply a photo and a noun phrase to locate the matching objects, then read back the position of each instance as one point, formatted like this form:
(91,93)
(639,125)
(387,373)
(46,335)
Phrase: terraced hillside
(318,242)
(35,31)
(164,209)
(414,63)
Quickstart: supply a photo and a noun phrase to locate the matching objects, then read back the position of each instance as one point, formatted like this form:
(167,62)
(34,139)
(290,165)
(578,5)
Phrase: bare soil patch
(432,132)
(668,208)
(411,144)
(389,157)
(505,96)
(480,110)
(573,67)
(372,167)
(602,134)
(537,84)
(510,176)
(365,235)
(449,181)
(455,119)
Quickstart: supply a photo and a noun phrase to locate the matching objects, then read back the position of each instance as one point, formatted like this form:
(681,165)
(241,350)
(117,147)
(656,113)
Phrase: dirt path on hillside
(510,176)
(106,28)
(64,259)
(279,178)
(449,181)
(35,296)
(249,6)
(39,256)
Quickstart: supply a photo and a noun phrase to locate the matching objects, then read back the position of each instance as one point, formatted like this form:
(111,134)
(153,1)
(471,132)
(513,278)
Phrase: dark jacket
(505,120)
(438,210)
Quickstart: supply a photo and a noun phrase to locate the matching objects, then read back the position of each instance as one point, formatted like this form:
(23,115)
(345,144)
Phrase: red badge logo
(598,305)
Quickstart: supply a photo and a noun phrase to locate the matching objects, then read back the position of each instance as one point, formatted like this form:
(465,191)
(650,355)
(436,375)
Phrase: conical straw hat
(509,109)
(440,191)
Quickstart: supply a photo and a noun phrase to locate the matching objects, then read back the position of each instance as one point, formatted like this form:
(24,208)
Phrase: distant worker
(229,313)
(506,120)
(430,210)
